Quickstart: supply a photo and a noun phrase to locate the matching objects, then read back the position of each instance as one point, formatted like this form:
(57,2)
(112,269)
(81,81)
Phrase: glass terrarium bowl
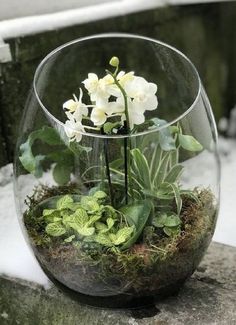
(118,215)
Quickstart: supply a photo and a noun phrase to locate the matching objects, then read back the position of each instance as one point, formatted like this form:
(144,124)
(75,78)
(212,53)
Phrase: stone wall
(205,33)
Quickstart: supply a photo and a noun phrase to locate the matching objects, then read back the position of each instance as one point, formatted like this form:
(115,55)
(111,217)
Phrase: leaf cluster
(90,219)
(169,223)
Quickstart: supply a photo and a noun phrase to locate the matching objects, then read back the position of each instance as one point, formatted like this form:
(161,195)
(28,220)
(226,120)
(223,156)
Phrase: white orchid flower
(122,78)
(73,130)
(105,109)
(142,93)
(98,88)
(76,107)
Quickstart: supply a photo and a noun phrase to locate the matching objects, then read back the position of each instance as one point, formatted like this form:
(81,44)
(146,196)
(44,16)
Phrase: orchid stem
(127,161)
(107,166)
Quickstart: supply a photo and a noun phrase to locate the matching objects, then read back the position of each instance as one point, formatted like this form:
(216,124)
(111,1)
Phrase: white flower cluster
(108,101)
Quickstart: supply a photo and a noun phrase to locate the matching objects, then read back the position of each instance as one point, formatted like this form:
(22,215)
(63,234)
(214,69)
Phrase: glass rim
(116,35)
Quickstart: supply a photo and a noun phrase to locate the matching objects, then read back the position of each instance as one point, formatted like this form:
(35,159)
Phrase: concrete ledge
(209,297)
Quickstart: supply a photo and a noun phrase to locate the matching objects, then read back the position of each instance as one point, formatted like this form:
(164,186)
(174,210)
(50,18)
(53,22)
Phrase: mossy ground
(156,261)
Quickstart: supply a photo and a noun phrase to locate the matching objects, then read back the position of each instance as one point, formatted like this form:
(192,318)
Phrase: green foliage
(61,153)
(55,229)
(91,220)
(170,224)
(137,215)
(155,174)
(189,143)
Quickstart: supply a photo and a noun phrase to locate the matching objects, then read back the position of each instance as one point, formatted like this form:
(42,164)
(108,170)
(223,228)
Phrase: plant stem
(105,147)
(126,170)
(126,140)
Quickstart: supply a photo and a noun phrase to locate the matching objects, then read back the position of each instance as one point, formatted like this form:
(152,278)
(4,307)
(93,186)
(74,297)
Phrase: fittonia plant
(140,189)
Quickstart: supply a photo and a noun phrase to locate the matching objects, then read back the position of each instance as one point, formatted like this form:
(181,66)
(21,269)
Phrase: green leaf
(155,160)
(160,220)
(174,174)
(92,220)
(63,202)
(85,231)
(162,169)
(117,164)
(109,126)
(69,239)
(109,212)
(47,212)
(61,173)
(164,192)
(103,240)
(110,223)
(101,227)
(77,149)
(30,162)
(178,199)
(190,194)
(172,221)
(90,204)
(171,231)
(137,215)
(141,168)
(47,135)
(55,229)
(76,220)
(167,231)
(99,195)
(189,143)
(122,235)
(166,139)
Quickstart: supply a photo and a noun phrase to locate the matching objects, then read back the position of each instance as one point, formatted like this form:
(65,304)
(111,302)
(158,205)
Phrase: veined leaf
(69,239)
(122,235)
(101,227)
(110,223)
(90,204)
(103,240)
(55,229)
(85,231)
(92,220)
(63,202)
(99,195)
(78,219)
(47,212)
(189,143)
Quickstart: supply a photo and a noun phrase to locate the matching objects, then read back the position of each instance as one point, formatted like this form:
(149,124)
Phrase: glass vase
(118,219)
